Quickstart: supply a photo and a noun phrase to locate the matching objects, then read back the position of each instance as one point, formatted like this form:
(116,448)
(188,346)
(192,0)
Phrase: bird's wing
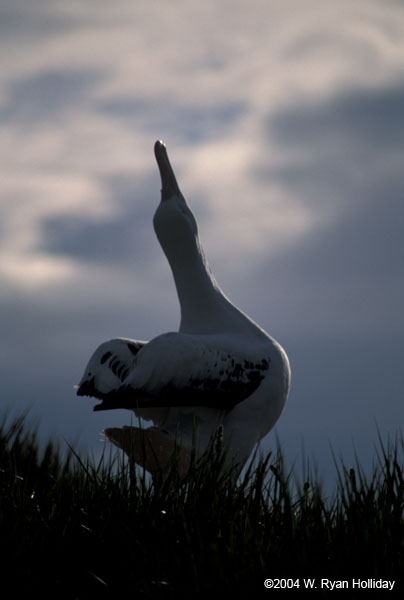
(108,367)
(177,369)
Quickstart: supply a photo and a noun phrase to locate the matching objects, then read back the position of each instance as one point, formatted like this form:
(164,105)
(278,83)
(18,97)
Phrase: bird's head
(173,220)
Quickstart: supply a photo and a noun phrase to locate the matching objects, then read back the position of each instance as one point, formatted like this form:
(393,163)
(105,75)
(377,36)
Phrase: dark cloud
(341,151)
(344,166)
(28,21)
(343,280)
(123,238)
(363,118)
(47,95)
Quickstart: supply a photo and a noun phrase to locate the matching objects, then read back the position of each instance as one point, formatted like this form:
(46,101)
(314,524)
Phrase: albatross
(220,374)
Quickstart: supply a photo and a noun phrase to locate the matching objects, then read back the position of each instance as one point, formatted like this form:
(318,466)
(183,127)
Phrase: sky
(284,122)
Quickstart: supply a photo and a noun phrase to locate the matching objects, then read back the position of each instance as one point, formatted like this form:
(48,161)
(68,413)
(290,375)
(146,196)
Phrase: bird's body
(219,369)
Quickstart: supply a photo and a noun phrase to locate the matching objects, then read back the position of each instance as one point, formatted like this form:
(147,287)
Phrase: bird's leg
(151,448)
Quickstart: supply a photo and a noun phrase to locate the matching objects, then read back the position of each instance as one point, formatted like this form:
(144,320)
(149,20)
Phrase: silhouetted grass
(75,529)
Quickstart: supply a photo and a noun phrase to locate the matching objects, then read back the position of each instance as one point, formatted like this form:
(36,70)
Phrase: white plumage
(219,369)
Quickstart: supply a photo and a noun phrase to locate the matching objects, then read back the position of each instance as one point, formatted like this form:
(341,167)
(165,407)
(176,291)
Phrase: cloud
(358,126)
(341,162)
(90,102)
(46,96)
(345,281)
(27,203)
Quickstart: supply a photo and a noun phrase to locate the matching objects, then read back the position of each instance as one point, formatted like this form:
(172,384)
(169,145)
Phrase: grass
(75,529)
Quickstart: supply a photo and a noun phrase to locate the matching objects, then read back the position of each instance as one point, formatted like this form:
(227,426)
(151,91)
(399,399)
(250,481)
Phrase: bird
(220,376)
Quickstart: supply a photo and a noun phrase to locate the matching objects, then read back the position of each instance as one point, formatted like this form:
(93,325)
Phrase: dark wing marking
(228,382)
(109,366)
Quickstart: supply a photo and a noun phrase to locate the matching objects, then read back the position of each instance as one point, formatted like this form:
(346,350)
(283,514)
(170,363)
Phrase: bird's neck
(204,307)
(199,295)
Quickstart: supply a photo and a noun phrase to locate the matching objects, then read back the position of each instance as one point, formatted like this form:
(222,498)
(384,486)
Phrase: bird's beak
(168,181)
